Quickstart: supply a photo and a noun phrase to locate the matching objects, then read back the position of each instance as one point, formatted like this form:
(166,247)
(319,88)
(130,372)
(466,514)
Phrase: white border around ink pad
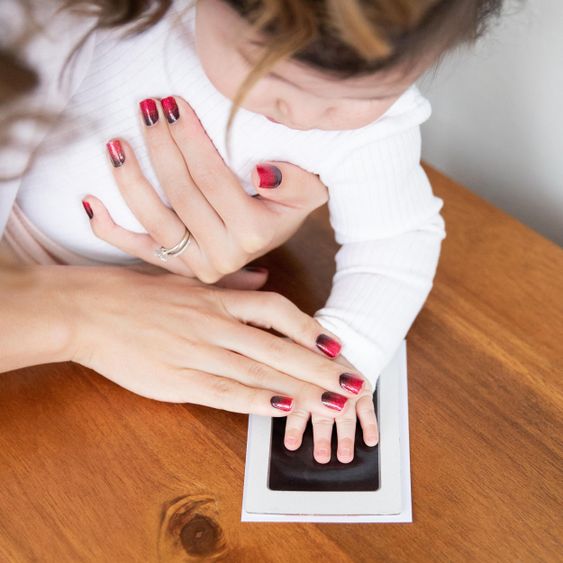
(390,503)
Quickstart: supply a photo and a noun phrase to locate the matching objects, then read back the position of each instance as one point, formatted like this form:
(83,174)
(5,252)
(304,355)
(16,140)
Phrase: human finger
(140,245)
(249,278)
(207,168)
(322,436)
(365,411)
(346,433)
(295,426)
(251,373)
(268,310)
(161,222)
(203,388)
(289,185)
(172,171)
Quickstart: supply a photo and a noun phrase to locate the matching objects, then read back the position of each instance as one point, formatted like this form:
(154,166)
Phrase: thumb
(250,277)
(290,185)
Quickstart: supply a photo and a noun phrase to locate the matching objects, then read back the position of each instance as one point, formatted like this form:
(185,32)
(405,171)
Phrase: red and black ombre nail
(270,176)
(328,345)
(333,401)
(116,153)
(170,109)
(282,403)
(149,111)
(351,382)
(88,209)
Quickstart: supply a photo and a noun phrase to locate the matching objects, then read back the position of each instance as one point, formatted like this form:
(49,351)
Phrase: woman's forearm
(33,326)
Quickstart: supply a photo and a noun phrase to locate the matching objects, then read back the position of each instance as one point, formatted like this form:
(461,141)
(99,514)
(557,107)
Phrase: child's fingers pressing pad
(363,410)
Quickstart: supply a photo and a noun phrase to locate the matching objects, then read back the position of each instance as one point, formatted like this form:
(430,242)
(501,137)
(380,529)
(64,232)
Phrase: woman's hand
(229,228)
(360,408)
(173,339)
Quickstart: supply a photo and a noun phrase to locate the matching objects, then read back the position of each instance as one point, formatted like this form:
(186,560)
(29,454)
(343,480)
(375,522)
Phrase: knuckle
(221,388)
(205,177)
(275,300)
(277,348)
(366,408)
(305,326)
(254,400)
(258,374)
(209,276)
(254,241)
(226,264)
(322,421)
(299,414)
(159,143)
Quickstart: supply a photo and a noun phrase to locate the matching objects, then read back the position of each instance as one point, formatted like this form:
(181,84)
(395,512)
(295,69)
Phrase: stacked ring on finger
(163,253)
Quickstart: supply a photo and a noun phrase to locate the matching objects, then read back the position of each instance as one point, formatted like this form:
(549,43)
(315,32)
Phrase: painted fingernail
(282,403)
(270,176)
(116,153)
(170,109)
(351,383)
(333,401)
(88,209)
(328,345)
(256,269)
(149,111)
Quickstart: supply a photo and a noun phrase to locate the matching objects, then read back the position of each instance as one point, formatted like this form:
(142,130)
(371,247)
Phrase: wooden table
(90,472)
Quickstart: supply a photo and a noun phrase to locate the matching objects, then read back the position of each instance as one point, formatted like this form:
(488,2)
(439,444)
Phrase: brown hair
(346,38)
(342,38)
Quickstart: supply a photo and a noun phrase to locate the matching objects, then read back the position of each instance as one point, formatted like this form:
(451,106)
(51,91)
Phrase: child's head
(328,64)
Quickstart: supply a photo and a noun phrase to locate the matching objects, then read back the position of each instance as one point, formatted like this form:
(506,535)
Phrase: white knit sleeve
(388,222)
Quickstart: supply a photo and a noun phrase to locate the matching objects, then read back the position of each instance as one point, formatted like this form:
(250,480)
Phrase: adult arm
(32,326)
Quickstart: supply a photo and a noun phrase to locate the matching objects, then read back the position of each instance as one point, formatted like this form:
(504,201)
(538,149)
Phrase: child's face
(292,94)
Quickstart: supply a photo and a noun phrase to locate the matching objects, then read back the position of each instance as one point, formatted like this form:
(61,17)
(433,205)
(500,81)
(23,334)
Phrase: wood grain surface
(91,472)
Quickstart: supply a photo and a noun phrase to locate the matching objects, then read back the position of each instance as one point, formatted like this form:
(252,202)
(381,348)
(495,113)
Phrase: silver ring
(176,250)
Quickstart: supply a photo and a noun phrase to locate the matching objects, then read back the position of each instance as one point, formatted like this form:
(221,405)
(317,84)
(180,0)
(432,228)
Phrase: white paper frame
(390,503)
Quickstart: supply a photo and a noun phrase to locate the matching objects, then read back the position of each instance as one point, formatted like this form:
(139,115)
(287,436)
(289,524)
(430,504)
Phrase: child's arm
(388,222)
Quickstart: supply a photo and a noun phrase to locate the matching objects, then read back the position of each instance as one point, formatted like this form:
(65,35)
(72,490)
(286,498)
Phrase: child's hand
(361,407)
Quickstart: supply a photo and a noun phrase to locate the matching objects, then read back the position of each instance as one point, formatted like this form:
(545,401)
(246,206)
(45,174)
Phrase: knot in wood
(201,535)
(190,531)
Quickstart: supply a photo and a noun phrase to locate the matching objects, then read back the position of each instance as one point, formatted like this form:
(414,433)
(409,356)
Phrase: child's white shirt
(382,209)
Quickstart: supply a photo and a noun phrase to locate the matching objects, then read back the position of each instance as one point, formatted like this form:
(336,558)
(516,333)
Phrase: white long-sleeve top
(382,209)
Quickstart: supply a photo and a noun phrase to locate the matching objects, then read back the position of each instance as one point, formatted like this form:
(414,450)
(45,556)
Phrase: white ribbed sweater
(381,205)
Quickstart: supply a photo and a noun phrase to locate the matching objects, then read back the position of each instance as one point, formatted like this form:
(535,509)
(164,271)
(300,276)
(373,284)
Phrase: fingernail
(170,109)
(328,345)
(333,401)
(351,383)
(282,403)
(149,111)
(116,153)
(256,269)
(88,209)
(270,176)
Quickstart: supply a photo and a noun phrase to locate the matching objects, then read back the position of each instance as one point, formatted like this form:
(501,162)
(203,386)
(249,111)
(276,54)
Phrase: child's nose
(301,115)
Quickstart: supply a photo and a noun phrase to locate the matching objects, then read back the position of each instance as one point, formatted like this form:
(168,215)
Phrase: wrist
(40,314)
